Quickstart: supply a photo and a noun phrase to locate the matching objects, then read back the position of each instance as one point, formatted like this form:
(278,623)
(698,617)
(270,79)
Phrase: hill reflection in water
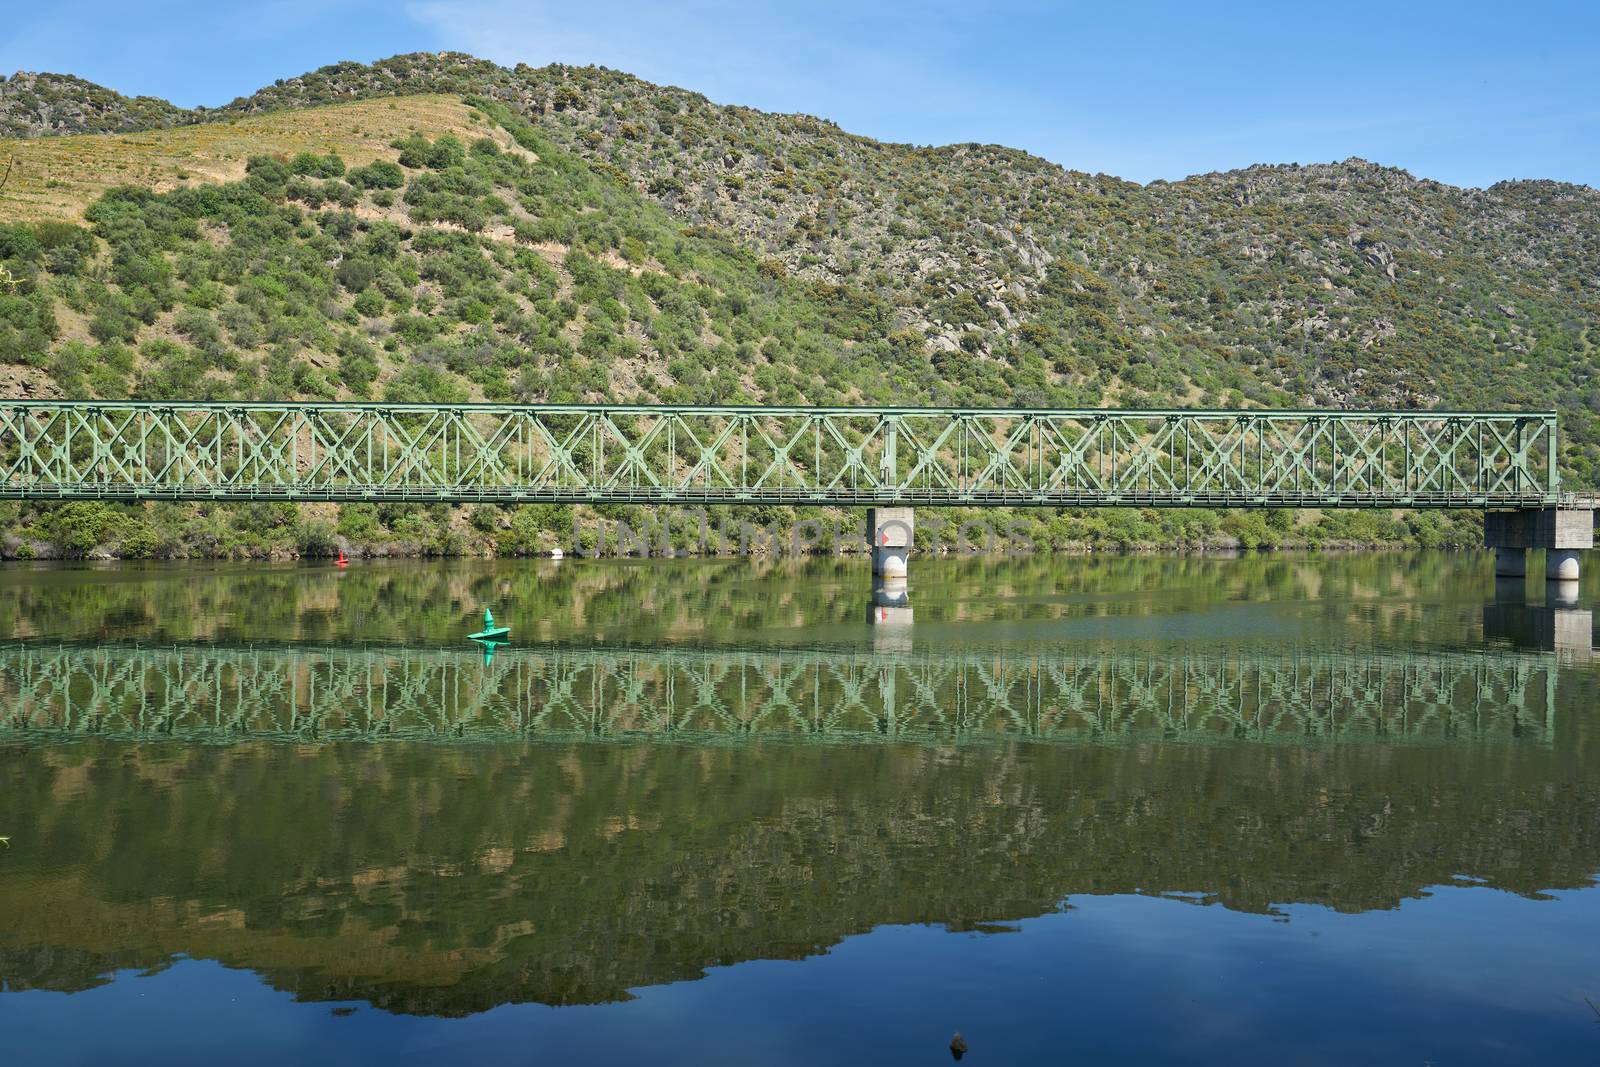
(450,878)
(644,799)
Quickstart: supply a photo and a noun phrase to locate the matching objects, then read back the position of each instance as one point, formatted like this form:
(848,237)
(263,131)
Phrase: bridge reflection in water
(222,694)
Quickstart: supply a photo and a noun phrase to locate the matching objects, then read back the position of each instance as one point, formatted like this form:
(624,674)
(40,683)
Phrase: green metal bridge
(74,450)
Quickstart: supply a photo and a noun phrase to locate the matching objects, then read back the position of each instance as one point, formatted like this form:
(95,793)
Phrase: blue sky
(1468,93)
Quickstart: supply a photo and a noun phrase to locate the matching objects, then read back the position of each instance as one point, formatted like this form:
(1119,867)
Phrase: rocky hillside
(577,233)
(1338,283)
(38,105)
(1334,283)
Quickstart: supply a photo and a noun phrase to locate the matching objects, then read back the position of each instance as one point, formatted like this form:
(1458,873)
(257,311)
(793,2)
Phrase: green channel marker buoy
(490,631)
(491,636)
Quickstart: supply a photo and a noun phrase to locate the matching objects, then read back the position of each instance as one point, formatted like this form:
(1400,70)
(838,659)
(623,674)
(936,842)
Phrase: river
(1171,810)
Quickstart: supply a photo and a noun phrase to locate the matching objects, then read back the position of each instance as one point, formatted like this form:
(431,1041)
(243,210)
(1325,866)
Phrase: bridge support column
(1561,565)
(1510,562)
(1561,532)
(890,532)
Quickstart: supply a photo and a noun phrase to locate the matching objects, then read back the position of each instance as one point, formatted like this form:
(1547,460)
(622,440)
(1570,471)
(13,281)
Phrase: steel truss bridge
(73,450)
(214,694)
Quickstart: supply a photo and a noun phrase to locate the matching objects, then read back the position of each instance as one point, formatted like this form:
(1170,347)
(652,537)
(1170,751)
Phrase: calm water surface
(1262,810)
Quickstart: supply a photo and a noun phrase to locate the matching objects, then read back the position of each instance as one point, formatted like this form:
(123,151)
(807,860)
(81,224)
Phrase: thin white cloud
(1140,93)
(837,60)
(927,73)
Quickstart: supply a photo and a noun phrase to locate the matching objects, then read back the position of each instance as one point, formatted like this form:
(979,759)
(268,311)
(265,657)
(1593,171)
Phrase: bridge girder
(71,450)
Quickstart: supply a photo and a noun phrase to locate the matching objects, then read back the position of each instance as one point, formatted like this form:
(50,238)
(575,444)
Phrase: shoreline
(392,552)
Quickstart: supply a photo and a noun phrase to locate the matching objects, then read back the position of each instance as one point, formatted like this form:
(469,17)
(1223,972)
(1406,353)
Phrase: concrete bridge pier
(890,532)
(1561,565)
(1561,532)
(1510,563)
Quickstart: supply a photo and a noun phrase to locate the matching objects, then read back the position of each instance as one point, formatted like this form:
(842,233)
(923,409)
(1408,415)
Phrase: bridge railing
(842,456)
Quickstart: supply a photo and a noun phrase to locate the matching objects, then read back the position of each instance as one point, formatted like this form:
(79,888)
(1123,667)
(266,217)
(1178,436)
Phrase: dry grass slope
(59,177)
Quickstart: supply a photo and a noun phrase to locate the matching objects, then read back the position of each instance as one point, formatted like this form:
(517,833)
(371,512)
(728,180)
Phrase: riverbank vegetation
(94,529)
